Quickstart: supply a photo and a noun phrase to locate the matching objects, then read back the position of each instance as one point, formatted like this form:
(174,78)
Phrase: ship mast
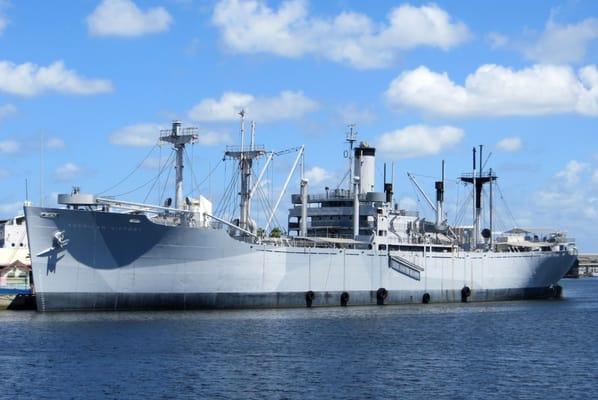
(351,138)
(245,158)
(478,182)
(179,138)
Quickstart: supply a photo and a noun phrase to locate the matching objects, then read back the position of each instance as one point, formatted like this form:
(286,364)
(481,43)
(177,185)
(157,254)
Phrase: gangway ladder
(405,267)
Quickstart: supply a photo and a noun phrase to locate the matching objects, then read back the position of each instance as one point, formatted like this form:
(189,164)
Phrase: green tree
(275,233)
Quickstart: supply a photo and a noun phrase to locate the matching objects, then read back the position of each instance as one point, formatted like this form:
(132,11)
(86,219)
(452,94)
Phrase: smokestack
(365,167)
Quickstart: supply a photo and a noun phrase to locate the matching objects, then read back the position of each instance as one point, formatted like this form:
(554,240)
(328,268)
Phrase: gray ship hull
(212,301)
(112,261)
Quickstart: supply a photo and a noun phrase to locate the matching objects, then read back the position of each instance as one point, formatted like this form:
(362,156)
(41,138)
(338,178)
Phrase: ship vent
(405,267)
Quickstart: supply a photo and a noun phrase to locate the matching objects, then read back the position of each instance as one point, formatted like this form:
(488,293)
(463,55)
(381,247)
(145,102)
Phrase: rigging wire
(198,185)
(457,202)
(157,180)
(506,205)
(434,178)
(460,216)
(166,181)
(191,168)
(267,206)
(132,172)
(135,189)
(227,196)
(160,165)
(232,204)
(343,180)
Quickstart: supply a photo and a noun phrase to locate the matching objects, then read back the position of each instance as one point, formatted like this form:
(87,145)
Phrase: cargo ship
(348,246)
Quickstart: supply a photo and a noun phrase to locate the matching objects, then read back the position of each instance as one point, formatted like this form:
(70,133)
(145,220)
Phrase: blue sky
(95,80)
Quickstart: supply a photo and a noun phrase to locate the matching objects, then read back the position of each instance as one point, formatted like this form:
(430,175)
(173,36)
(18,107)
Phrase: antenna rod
(385,173)
(481,160)
(474,239)
(356,207)
(242,114)
(252,144)
(491,210)
(392,180)
(443,186)
(351,137)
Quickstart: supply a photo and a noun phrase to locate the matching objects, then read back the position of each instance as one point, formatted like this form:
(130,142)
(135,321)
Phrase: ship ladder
(405,267)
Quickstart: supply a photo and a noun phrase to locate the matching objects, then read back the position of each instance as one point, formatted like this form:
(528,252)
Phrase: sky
(86,86)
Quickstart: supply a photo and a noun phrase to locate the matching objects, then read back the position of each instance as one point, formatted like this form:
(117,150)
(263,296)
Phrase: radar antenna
(351,138)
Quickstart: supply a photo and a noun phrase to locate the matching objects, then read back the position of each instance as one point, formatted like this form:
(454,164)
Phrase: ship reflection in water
(525,349)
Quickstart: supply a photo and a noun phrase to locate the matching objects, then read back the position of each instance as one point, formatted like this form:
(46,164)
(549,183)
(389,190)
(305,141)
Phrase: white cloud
(9,146)
(570,175)
(124,18)
(317,175)
(137,135)
(30,79)
(595,176)
(418,140)
(350,37)
(562,44)
(211,138)
(287,105)
(148,134)
(570,201)
(510,144)
(67,172)
(3,173)
(493,90)
(6,110)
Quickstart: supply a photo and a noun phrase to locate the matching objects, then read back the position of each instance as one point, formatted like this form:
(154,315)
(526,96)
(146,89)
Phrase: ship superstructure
(350,245)
(15,264)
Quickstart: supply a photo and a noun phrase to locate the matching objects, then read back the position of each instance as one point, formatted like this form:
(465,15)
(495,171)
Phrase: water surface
(526,349)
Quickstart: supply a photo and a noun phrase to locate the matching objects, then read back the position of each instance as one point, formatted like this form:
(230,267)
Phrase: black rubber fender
(426,298)
(309,298)
(558,291)
(344,299)
(381,295)
(465,293)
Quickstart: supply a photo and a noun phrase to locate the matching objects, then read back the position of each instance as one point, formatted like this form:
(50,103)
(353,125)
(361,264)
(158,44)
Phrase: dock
(587,266)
